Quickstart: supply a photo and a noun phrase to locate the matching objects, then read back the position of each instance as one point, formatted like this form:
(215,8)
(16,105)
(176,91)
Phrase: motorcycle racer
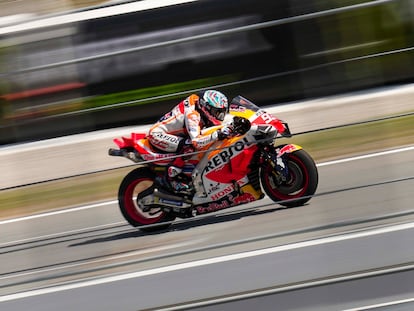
(238,170)
(180,130)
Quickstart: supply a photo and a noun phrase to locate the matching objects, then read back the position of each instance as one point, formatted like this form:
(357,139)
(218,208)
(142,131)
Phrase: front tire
(300,185)
(136,184)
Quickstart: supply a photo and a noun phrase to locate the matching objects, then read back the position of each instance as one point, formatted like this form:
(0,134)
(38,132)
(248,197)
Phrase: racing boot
(178,181)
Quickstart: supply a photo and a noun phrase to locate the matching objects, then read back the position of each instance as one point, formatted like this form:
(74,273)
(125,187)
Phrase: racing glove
(241,125)
(224,132)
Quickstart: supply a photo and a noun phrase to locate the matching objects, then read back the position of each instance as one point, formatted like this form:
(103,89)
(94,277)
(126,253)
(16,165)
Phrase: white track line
(76,209)
(381,305)
(205,262)
(366,156)
(106,259)
(68,210)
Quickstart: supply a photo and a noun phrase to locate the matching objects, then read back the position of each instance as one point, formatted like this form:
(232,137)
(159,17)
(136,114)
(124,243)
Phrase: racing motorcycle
(230,172)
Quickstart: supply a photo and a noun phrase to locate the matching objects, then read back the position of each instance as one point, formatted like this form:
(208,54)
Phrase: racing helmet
(213,106)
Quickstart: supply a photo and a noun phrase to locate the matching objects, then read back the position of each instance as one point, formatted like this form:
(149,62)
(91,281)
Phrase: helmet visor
(218,113)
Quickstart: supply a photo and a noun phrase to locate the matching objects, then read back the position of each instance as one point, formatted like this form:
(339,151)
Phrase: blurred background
(71,66)
(76,66)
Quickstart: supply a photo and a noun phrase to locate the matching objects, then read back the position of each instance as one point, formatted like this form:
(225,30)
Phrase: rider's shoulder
(188,104)
(192,99)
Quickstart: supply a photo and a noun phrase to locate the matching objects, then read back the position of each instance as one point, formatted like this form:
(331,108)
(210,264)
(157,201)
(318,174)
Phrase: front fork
(276,158)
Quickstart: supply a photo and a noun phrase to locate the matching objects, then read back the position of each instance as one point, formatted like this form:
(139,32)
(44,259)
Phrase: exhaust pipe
(116,152)
(170,197)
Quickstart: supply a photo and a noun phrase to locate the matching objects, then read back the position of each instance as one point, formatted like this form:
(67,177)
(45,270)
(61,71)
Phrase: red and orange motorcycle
(230,172)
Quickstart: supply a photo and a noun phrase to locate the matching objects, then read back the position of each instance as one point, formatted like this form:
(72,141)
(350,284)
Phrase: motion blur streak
(371,155)
(87,15)
(382,305)
(209,261)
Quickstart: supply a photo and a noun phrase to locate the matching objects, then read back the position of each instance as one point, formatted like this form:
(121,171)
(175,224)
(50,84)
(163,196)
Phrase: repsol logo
(224,156)
(169,138)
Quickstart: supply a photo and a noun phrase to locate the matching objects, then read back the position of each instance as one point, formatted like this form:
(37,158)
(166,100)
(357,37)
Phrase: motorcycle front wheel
(135,185)
(301,183)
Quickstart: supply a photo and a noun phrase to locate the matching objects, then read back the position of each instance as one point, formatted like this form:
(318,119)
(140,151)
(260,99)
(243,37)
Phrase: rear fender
(125,142)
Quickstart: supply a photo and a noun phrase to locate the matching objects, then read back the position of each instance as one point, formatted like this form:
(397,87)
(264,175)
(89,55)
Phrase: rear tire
(301,184)
(136,183)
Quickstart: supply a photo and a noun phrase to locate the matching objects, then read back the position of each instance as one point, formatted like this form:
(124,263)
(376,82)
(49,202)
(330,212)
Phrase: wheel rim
(296,184)
(131,207)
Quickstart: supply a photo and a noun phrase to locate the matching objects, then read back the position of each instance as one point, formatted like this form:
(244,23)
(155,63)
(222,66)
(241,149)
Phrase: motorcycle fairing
(147,152)
(243,107)
(229,165)
(231,197)
(220,178)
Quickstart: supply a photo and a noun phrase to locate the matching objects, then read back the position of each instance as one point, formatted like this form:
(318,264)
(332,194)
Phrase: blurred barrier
(294,50)
(213,34)
(241,82)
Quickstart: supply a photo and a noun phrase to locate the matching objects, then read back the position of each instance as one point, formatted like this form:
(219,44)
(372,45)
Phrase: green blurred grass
(326,145)
(142,96)
(150,95)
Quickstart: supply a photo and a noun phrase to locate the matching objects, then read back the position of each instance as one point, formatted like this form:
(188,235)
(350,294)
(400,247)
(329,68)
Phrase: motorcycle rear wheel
(135,184)
(301,183)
